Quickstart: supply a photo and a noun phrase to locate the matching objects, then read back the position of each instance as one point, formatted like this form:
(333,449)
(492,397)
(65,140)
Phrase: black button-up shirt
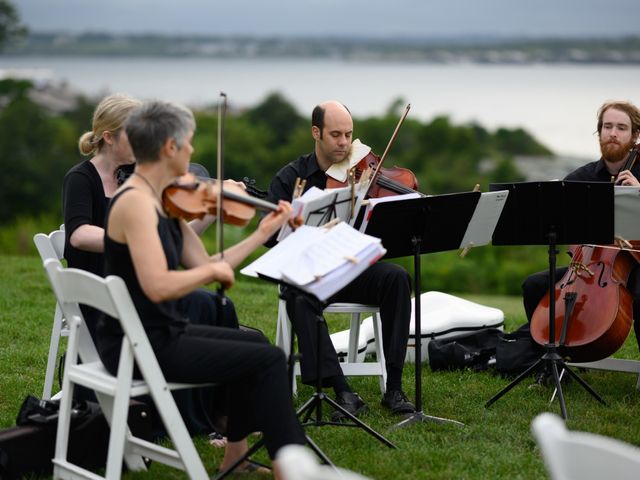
(305,168)
(597,172)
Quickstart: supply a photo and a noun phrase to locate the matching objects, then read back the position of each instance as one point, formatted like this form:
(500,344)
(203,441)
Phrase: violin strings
(388,183)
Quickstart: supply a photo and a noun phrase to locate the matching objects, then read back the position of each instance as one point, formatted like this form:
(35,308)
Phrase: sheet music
(313,206)
(269,263)
(485,218)
(318,260)
(626,212)
(326,255)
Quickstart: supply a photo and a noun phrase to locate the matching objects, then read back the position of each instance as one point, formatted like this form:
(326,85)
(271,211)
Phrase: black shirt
(161,321)
(597,172)
(83,203)
(306,168)
(281,188)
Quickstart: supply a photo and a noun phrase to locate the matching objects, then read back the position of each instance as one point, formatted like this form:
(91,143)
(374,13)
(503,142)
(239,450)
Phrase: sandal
(217,440)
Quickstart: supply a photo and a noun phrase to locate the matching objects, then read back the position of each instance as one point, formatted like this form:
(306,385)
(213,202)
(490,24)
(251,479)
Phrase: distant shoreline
(479,50)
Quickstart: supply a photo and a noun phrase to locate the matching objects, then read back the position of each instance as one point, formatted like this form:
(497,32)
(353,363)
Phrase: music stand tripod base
(529,218)
(314,403)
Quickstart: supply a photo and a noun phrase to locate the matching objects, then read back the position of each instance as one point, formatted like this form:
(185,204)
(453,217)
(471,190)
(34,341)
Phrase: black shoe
(352,403)
(397,402)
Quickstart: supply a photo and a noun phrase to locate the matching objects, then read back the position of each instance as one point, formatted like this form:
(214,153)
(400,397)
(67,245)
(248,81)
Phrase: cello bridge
(578,267)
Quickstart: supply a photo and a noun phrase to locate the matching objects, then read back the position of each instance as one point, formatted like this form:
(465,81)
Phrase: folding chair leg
(53,354)
(354,338)
(377,335)
(133,461)
(64,415)
(117,436)
(284,339)
(180,436)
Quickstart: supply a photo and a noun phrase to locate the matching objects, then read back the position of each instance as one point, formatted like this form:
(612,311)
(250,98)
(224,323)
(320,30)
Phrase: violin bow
(222,107)
(391,140)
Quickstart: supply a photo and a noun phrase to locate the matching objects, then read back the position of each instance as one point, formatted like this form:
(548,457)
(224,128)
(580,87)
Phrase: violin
(388,181)
(593,309)
(190,197)
(384,181)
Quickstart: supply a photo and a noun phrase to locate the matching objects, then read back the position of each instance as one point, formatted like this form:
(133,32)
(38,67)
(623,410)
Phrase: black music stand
(554,213)
(314,404)
(413,227)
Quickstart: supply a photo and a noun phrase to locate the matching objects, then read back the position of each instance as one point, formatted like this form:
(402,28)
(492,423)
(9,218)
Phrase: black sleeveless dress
(162,322)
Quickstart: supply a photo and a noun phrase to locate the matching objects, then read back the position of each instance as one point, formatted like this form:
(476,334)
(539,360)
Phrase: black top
(597,172)
(83,203)
(161,321)
(305,168)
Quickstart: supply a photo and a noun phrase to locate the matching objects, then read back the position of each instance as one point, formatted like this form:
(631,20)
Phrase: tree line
(38,146)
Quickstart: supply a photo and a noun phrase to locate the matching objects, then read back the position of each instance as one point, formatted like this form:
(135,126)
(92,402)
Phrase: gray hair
(153,123)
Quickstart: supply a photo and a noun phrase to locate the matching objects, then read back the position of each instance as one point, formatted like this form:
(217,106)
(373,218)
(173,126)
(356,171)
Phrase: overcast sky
(379,18)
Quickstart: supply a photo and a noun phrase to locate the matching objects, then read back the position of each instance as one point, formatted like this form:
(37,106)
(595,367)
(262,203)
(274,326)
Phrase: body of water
(555,103)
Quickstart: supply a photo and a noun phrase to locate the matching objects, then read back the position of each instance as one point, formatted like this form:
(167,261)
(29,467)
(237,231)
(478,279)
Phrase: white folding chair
(581,455)
(355,364)
(298,463)
(73,287)
(613,365)
(52,246)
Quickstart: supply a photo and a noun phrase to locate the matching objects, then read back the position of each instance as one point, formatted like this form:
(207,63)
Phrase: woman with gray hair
(161,259)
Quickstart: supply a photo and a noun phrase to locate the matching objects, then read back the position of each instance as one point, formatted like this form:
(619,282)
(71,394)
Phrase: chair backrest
(587,456)
(74,287)
(68,290)
(51,245)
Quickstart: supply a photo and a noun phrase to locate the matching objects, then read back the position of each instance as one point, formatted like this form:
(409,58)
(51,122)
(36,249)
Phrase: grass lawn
(494,443)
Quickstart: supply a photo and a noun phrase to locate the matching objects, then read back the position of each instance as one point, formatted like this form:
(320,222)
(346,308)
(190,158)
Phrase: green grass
(495,443)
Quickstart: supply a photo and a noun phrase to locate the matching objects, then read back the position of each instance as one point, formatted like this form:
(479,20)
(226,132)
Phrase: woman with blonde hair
(89,185)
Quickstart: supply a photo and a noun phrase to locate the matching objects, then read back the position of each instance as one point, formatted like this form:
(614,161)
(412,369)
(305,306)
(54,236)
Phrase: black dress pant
(536,286)
(254,372)
(383,284)
(201,407)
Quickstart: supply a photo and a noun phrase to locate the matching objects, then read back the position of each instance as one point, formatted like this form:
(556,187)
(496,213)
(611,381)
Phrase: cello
(593,308)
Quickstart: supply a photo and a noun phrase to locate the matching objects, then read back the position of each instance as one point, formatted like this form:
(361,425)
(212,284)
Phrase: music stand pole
(419,415)
(412,227)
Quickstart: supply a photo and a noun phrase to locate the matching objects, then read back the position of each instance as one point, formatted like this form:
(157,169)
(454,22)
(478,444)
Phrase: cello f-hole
(601,282)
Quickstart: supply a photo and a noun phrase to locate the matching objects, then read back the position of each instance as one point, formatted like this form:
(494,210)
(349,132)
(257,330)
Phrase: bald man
(383,284)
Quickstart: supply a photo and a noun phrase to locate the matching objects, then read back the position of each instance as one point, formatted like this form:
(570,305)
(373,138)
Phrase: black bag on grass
(517,351)
(27,449)
(469,350)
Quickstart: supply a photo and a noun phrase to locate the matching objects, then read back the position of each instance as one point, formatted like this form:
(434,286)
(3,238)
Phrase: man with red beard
(618,129)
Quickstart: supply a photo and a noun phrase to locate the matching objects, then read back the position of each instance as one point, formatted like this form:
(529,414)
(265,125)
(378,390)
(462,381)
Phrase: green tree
(278,115)
(36,149)
(10,27)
